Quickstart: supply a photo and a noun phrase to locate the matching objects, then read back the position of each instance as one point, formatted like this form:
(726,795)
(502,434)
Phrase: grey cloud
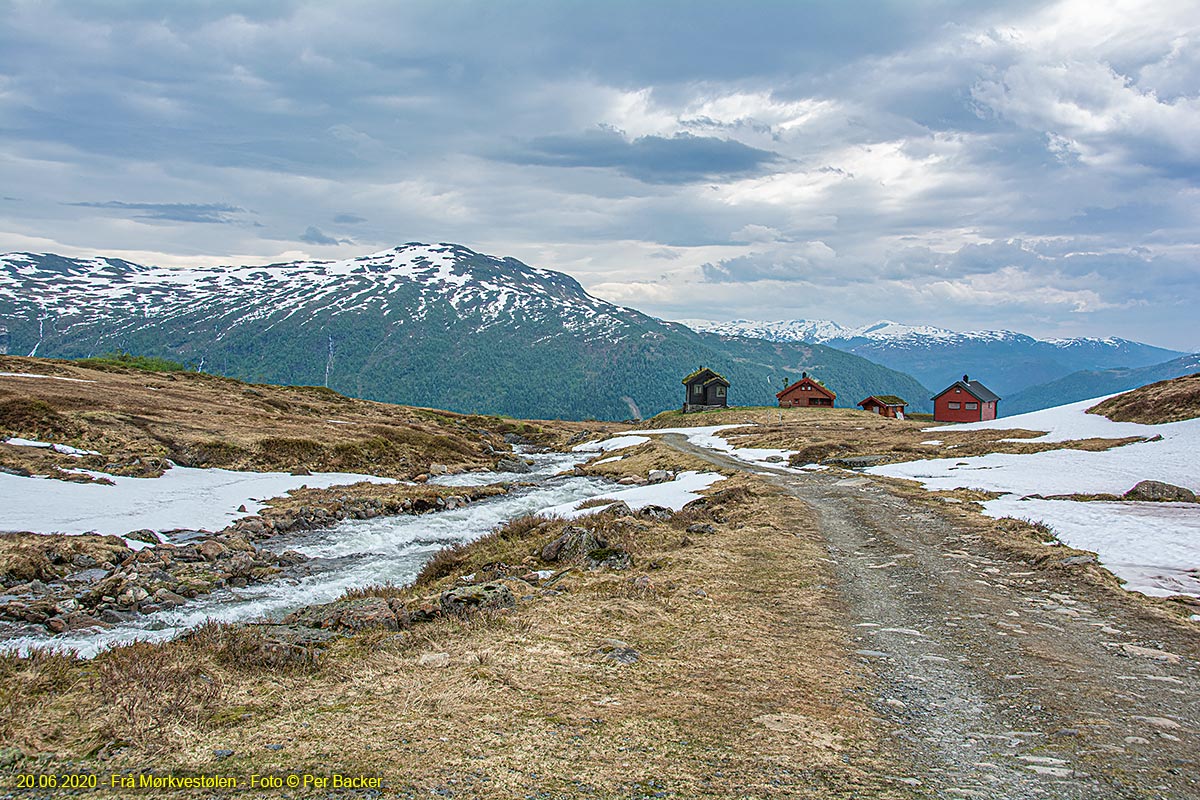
(682,158)
(211,213)
(348,219)
(314,235)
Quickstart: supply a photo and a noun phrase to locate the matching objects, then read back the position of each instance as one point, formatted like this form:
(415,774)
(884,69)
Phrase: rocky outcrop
(464,600)
(1159,492)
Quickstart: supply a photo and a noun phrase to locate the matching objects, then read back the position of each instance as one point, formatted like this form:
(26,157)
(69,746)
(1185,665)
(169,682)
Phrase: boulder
(512,465)
(351,614)
(466,599)
(439,469)
(658,476)
(656,512)
(572,544)
(1159,492)
(211,550)
(701,527)
(608,558)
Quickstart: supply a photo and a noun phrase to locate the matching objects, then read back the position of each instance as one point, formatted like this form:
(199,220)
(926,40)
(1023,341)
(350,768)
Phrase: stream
(351,554)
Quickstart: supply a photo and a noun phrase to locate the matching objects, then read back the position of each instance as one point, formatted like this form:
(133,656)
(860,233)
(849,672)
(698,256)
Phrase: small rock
(275,747)
(466,599)
(439,469)
(1076,560)
(222,753)
(1159,492)
(701,527)
(434,660)
(1149,652)
(242,508)
(658,476)
(144,535)
(512,465)
(572,544)
(656,512)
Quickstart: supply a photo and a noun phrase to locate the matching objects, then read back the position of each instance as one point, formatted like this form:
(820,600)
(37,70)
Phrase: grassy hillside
(1166,401)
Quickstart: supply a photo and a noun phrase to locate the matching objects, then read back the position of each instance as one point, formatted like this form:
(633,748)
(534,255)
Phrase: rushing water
(352,553)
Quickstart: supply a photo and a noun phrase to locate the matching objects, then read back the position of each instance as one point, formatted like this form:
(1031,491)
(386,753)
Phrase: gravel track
(996,678)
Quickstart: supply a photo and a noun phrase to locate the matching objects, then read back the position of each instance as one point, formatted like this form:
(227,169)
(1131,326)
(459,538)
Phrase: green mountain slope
(439,326)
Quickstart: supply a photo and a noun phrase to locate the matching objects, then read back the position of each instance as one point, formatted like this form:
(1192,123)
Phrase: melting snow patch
(615,443)
(47,377)
(65,449)
(671,494)
(1154,547)
(181,498)
(609,460)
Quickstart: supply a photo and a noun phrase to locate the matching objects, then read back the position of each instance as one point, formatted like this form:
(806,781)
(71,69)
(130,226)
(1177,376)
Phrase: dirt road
(995,678)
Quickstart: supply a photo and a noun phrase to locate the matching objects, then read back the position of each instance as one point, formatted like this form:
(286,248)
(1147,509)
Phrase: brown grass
(736,626)
(1166,401)
(203,420)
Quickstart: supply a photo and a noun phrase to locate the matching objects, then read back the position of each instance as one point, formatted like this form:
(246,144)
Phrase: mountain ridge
(434,325)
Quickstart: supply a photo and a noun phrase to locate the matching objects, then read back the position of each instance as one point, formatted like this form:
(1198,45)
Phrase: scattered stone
(617,651)
(572,544)
(512,465)
(656,512)
(466,599)
(658,476)
(1072,561)
(434,660)
(222,753)
(145,535)
(1149,652)
(439,469)
(275,747)
(608,558)
(1159,722)
(1159,492)
(701,527)
(242,509)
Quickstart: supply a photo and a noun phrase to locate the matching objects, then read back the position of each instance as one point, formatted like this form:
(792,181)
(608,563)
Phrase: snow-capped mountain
(1006,361)
(438,325)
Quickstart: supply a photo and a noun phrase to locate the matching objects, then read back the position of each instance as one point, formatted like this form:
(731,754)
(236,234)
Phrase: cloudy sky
(1030,165)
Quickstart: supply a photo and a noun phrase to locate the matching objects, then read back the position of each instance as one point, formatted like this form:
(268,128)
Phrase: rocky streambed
(90,592)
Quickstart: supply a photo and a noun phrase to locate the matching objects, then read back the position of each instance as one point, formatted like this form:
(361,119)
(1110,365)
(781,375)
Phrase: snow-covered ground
(1155,547)
(706,437)
(615,443)
(674,494)
(182,498)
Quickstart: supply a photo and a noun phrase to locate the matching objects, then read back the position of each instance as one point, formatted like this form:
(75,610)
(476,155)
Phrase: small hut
(705,389)
(885,405)
(804,393)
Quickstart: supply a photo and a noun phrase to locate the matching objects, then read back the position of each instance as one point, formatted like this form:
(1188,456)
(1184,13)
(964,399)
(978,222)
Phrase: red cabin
(965,401)
(805,392)
(885,405)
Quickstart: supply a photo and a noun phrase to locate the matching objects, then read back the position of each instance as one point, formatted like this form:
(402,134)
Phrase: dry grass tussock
(1166,401)
(135,419)
(736,625)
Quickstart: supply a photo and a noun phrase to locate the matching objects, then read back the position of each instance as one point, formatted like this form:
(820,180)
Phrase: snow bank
(182,498)
(46,377)
(65,449)
(671,494)
(615,443)
(707,438)
(1063,423)
(1152,546)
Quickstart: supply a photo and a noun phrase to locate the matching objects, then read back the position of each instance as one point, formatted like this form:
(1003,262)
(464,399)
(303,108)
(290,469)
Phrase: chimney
(803,375)
(966,378)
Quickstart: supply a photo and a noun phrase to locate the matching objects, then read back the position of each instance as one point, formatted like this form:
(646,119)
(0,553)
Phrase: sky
(1025,165)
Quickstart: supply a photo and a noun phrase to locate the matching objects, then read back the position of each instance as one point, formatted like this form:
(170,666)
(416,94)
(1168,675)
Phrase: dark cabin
(705,389)
(965,401)
(804,393)
(885,405)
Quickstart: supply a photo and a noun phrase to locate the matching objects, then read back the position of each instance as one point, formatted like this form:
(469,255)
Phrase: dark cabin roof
(813,382)
(886,400)
(974,388)
(706,376)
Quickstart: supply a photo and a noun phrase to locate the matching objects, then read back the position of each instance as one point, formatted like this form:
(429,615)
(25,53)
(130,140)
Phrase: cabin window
(954,405)
(806,388)
(697,389)
(720,391)
(972,406)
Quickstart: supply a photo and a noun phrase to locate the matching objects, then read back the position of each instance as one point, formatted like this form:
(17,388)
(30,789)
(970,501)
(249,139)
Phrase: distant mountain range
(430,325)
(1006,361)
(1086,384)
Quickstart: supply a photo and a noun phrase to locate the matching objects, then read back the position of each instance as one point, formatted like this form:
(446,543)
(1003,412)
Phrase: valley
(593,594)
